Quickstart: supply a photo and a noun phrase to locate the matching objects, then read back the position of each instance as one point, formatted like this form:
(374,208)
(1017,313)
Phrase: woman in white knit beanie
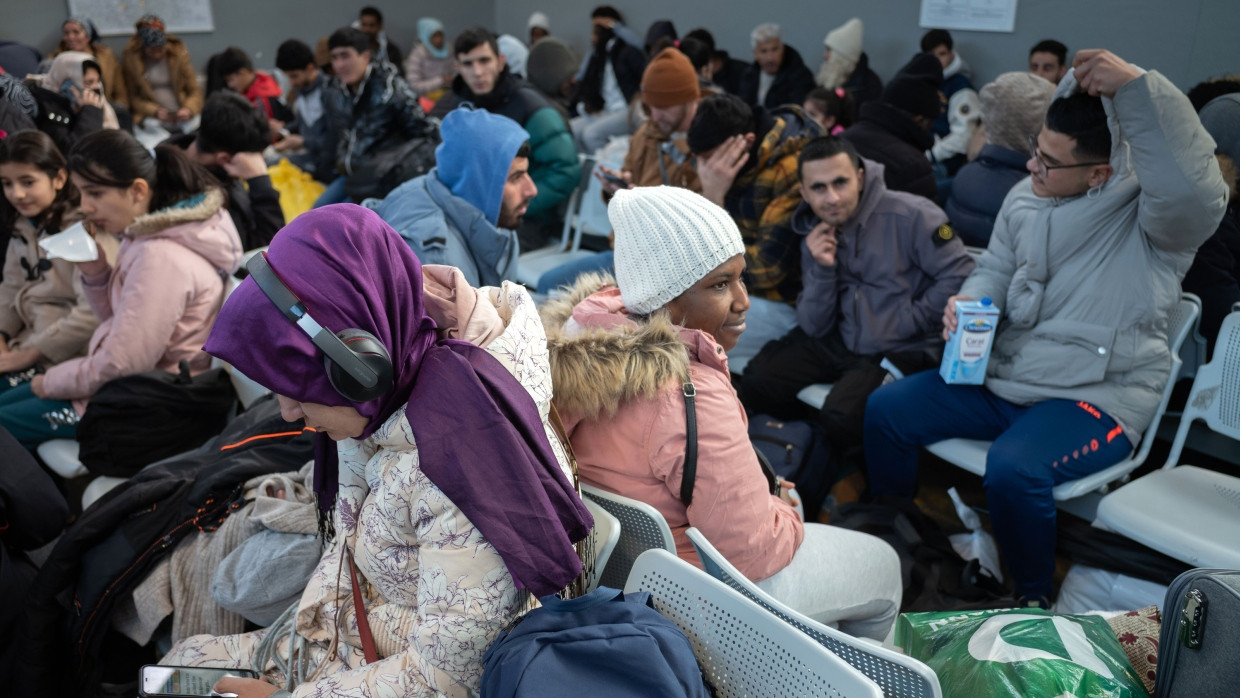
(628,356)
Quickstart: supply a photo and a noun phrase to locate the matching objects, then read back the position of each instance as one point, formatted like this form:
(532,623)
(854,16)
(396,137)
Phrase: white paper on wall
(973,15)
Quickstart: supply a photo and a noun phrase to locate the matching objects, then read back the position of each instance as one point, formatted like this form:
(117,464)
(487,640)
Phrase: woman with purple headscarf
(448,495)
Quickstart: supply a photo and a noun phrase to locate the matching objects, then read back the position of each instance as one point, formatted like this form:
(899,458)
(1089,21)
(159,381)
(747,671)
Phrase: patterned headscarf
(12,90)
(151,30)
(86,25)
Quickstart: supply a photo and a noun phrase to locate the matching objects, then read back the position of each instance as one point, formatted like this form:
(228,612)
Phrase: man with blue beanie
(464,213)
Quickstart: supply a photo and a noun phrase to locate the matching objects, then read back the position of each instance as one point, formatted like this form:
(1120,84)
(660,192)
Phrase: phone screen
(185,681)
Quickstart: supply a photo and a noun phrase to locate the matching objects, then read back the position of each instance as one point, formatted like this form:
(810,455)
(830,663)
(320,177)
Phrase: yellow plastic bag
(298,190)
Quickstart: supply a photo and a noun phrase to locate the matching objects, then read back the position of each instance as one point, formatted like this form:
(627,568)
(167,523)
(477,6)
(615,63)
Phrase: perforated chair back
(1188,512)
(642,527)
(602,541)
(743,650)
(898,676)
(1215,397)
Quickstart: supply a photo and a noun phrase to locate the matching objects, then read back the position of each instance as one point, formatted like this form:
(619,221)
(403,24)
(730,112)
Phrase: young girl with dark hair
(834,110)
(157,299)
(44,316)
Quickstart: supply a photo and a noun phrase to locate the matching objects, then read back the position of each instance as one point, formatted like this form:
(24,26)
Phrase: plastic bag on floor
(1020,652)
(298,190)
(1087,589)
(977,544)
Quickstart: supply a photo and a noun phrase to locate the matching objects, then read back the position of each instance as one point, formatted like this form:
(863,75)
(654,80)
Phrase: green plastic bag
(1020,652)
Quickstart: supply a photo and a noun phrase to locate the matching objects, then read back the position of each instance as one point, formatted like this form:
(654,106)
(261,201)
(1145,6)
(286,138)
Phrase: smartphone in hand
(156,681)
(615,179)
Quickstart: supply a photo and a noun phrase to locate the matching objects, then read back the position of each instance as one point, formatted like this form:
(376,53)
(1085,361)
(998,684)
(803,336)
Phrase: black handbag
(389,167)
(136,420)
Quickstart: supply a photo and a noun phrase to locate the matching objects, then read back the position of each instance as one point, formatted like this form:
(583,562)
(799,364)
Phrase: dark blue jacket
(979,190)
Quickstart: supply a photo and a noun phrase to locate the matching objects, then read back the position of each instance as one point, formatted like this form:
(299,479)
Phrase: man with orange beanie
(658,153)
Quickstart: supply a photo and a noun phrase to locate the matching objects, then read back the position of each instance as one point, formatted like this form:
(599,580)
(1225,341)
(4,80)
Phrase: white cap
(667,239)
(538,19)
(846,39)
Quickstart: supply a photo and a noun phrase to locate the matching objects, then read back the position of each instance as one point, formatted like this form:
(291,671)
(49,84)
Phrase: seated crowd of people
(772,227)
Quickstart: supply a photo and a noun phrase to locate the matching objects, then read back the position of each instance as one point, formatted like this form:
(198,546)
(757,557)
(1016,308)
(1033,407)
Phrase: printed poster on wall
(117,17)
(971,15)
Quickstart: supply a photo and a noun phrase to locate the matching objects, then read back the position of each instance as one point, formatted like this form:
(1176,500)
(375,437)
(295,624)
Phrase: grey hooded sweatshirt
(895,267)
(1086,284)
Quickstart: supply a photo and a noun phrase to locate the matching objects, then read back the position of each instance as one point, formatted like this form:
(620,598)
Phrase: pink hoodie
(604,360)
(157,300)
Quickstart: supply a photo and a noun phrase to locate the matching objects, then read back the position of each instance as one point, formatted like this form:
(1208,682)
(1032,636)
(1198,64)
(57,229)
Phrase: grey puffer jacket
(1086,284)
(896,265)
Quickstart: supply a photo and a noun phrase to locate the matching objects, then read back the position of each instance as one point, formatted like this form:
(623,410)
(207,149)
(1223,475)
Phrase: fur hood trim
(200,210)
(596,370)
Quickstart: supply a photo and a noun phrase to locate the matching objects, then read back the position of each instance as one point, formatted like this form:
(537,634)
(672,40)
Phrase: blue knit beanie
(473,160)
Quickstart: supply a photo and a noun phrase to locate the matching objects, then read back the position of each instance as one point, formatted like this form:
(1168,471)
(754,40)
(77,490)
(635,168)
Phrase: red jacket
(262,91)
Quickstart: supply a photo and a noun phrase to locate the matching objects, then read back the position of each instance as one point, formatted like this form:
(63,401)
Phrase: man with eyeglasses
(1085,262)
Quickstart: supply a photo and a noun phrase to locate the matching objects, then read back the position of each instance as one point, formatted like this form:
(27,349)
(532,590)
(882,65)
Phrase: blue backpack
(606,643)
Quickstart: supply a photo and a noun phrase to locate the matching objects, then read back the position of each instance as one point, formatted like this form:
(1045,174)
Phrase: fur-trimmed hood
(603,357)
(200,223)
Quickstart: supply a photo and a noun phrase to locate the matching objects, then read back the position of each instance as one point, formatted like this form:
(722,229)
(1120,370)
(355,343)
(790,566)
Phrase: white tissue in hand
(73,244)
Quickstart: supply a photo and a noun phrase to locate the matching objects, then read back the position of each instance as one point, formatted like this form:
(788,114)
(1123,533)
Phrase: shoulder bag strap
(359,610)
(691,446)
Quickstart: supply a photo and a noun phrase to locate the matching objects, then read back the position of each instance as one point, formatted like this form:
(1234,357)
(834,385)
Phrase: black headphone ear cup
(371,352)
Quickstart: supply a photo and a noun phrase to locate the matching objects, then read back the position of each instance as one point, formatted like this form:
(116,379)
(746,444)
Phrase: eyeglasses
(1044,168)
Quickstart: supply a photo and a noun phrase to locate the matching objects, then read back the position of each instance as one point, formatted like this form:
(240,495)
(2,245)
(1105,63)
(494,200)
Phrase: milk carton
(968,348)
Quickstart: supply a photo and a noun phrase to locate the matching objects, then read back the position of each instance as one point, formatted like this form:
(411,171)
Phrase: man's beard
(509,220)
(835,71)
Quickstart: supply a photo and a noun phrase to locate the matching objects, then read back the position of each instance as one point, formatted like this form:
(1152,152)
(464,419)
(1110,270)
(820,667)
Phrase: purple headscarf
(480,438)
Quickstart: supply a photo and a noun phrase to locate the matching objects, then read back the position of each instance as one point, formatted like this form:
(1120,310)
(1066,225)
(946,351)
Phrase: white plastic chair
(642,527)
(603,538)
(970,454)
(532,265)
(1187,512)
(742,649)
(815,395)
(898,675)
(1193,353)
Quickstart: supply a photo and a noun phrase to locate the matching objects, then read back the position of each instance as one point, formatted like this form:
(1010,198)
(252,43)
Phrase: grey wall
(1187,40)
(258,26)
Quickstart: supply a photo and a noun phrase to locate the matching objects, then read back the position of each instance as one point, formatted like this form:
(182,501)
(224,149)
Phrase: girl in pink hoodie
(157,300)
(623,355)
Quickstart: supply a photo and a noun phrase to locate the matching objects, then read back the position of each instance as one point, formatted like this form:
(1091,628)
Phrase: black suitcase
(1197,648)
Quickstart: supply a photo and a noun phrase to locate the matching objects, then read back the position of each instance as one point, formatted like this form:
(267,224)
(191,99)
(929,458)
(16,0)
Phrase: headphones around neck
(357,364)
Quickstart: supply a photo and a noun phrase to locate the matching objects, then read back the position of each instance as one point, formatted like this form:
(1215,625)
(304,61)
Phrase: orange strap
(359,610)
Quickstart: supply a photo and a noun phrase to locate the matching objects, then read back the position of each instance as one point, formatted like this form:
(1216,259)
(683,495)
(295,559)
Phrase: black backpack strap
(690,470)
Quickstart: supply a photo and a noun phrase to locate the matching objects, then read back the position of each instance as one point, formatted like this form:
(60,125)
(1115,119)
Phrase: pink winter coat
(157,300)
(617,383)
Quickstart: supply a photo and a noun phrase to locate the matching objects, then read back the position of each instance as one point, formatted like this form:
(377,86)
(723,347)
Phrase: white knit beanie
(846,39)
(538,19)
(667,239)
